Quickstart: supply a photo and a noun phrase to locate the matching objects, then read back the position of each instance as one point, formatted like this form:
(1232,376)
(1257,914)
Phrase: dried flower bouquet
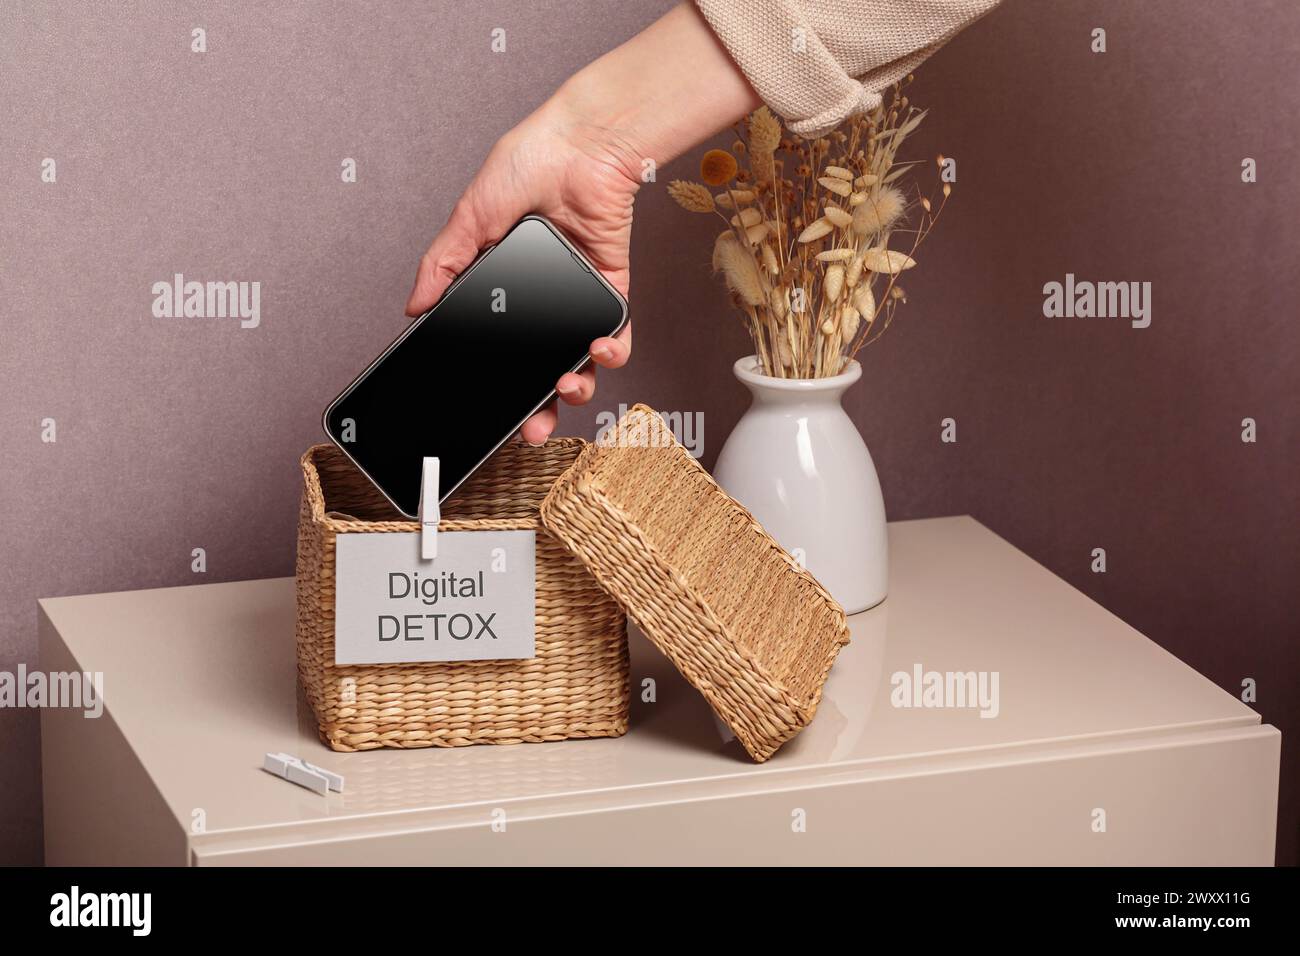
(809,222)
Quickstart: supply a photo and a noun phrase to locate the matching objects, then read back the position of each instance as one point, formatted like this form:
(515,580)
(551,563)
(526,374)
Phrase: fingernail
(566,389)
(602,351)
(538,444)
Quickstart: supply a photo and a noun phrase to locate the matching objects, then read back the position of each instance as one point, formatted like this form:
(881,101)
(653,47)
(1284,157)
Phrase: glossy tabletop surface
(201,682)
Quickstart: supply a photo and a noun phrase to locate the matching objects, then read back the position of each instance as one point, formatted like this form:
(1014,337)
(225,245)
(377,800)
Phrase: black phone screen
(464,377)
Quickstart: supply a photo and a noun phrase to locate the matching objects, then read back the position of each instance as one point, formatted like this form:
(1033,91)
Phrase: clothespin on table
(296,770)
(429,512)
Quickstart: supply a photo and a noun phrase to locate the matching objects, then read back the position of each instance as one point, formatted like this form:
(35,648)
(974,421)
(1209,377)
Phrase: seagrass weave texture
(753,631)
(576,686)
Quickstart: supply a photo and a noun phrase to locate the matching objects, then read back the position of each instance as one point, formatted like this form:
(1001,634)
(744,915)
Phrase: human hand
(578,160)
(559,164)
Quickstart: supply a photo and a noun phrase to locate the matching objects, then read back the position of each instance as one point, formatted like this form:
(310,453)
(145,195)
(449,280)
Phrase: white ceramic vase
(797,462)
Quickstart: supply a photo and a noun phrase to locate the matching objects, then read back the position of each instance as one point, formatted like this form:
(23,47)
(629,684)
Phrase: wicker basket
(748,627)
(576,686)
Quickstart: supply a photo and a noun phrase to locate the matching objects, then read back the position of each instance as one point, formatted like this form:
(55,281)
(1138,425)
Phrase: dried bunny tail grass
(741,272)
(769,260)
(693,197)
(839,172)
(722,240)
(835,255)
(764,132)
(879,212)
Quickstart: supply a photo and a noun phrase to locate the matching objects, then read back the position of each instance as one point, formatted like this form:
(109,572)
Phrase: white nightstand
(1094,724)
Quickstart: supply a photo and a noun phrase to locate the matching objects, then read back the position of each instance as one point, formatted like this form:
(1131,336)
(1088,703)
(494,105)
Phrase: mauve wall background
(1073,434)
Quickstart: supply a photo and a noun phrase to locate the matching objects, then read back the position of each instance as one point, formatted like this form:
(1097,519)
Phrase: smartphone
(463,378)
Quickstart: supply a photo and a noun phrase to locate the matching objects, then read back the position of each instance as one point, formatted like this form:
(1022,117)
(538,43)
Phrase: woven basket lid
(747,626)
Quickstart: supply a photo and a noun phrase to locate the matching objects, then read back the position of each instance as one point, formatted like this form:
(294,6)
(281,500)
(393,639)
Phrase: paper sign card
(474,602)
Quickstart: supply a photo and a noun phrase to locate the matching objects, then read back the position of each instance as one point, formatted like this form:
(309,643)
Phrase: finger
(451,252)
(612,352)
(576,388)
(538,428)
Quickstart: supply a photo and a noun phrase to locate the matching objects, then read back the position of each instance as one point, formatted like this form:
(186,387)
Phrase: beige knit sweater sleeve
(817,62)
